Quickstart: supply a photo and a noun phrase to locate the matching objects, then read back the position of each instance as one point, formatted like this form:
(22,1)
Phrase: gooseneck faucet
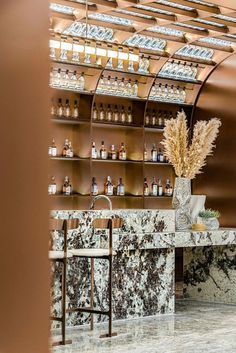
(98,197)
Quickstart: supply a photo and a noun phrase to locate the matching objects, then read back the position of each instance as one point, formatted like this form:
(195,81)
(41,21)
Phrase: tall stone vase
(181,203)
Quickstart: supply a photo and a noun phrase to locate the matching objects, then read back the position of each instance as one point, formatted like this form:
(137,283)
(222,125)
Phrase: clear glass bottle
(95,112)
(165,117)
(101,113)
(59,108)
(75,113)
(53,109)
(160,188)
(159,92)
(113,153)
(165,93)
(57,81)
(170,95)
(120,190)
(70,150)
(147,118)
(160,118)
(183,95)
(65,83)
(177,94)
(145,153)
(108,187)
(73,81)
(101,85)
(135,89)
(168,189)
(114,86)
(129,118)
(67,110)
(52,151)
(103,151)
(94,154)
(160,156)
(145,187)
(153,117)
(108,86)
(52,187)
(128,88)
(94,187)
(154,189)
(122,115)
(109,113)
(116,114)
(153,91)
(81,82)
(154,153)
(122,152)
(67,187)
(121,87)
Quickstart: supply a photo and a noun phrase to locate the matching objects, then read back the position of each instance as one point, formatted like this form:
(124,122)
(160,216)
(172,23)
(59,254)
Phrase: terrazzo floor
(196,327)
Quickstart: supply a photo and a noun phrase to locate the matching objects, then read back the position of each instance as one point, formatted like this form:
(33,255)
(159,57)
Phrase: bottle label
(76,113)
(103,155)
(120,190)
(154,190)
(160,191)
(68,190)
(113,155)
(110,190)
(94,153)
(123,156)
(161,158)
(53,151)
(154,156)
(146,191)
(94,190)
(50,151)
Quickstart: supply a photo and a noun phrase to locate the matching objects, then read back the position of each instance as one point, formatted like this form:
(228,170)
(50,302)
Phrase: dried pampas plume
(189,160)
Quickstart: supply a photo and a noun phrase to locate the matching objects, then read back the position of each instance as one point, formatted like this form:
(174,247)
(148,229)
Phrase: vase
(181,203)
(197,204)
(211,223)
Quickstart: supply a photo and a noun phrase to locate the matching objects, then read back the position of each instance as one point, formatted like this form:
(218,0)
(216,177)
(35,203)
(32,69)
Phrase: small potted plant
(210,217)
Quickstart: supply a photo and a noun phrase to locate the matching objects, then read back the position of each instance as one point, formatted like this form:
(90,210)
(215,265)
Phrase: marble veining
(222,236)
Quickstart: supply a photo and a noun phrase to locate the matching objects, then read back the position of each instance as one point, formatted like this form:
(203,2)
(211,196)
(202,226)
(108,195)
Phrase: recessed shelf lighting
(132,13)
(111,19)
(190,26)
(226,18)
(92,31)
(61,8)
(215,41)
(174,4)
(195,51)
(154,9)
(205,22)
(146,42)
(167,31)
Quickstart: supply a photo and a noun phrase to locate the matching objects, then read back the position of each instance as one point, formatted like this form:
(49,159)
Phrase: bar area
(131,170)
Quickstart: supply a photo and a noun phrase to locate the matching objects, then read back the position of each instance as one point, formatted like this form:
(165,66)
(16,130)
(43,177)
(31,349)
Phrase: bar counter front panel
(144,266)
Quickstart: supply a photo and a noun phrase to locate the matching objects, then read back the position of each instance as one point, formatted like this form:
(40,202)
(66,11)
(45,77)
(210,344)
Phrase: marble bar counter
(144,266)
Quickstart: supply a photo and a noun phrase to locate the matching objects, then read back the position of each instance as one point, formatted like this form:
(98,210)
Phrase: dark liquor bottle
(154,191)
(154,153)
(108,187)
(145,188)
(103,151)
(66,188)
(122,152)
(94,187)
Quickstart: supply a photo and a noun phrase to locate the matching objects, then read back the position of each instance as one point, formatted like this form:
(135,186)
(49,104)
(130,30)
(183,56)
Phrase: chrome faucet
(98,197)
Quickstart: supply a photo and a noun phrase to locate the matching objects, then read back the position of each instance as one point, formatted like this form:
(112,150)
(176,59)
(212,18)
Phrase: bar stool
(101,224)
(62,256)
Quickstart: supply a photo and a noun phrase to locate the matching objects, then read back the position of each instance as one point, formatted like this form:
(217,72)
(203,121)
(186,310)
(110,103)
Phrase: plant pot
(210,223)
(181,203)
(197,204)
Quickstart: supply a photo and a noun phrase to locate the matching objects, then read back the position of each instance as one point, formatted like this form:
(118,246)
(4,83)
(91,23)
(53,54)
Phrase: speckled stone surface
(195,328)
(223,236)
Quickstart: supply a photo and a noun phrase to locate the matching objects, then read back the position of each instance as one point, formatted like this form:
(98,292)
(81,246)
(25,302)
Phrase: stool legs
(92,292)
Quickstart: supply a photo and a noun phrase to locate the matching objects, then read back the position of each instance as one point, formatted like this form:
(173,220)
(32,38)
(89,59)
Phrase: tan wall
(218,99)
(24,282)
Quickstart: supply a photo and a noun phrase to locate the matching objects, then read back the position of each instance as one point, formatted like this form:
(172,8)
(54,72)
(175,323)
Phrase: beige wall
(218,99)
(24,281)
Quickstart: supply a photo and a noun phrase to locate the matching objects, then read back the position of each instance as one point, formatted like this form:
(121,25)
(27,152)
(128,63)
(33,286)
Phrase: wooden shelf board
(115,161)
(176,79)
(60,158)
(71,121)
(115,124)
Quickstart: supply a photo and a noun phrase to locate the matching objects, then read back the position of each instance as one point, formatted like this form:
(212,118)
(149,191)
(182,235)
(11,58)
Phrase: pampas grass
(189,159)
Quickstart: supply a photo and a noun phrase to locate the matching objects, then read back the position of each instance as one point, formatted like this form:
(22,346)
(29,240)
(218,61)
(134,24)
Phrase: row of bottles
(154,155)
(114,114)
(117,87)
(104,153)
(178,70)
(67,79)
(168,93)
(67,150)
(157,119)
(141,67)
(66,188)
(65,110)
(109,188)
(156,188)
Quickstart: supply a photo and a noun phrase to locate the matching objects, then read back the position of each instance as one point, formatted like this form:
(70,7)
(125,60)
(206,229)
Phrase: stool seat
(90,252)
(59,254)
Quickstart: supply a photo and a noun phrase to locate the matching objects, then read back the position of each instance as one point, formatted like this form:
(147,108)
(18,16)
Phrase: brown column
(24,275)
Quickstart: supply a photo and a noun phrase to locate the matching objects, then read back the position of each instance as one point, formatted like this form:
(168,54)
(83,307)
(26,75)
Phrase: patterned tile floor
(196,327)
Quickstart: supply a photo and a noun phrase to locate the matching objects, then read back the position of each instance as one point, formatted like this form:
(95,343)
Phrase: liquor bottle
(183,95)
(160,188)
(101,85)
(122,152)
(116,114)
(128,88)
(94,154)
(52,151)
(107,87)
(154,190)
(65,82)
(94,187)
(109,113)
(135,89)
(145,154)
(160,121)
(147,118)
(122,115)
(177,94)
(154,153)
(57,78)
(53,109)
(160,156)
(145,188)
(121,87)
(101,112)
(52,187)
(168,189)
(66,188)
(70,152)
(159,92)
(103,151)
(73,80)
(59,108)
(108,187)
(170,95)
(112,153)
(75,113)
(129,116)
(165,92)
(67,111)
(153,117)
(81,82)
(114,86)
(120,190)
(165,118)
(95,112)
(65,152)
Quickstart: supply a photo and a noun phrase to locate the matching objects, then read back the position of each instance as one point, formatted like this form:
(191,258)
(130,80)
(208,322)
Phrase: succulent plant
(209,213)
